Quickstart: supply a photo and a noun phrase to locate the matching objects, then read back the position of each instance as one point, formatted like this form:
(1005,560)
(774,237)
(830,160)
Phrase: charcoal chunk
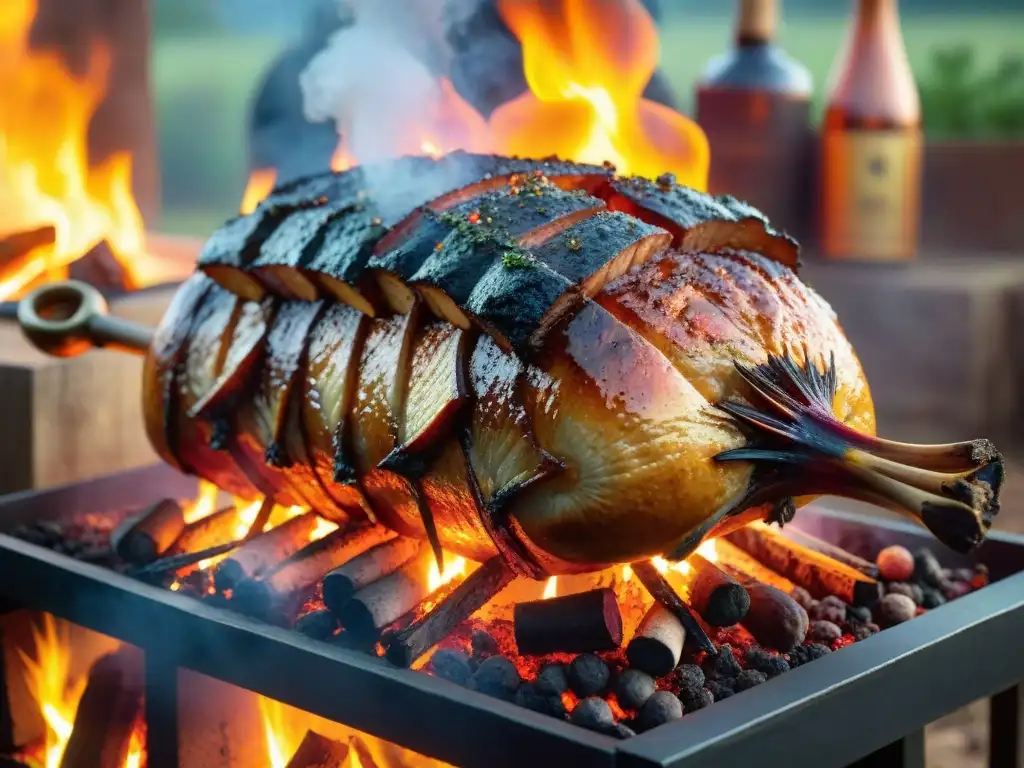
(319,625)
(803,654)
(802,597)
(529,697)
(483,644)
(496,676)
(663,707)
(858,614)
(932,598)
(552,679)
(895,609)
(724,665)
(451,665)
(719,690)
(748,678)
(633,688)
(593,713)
(826,611)
(824,632)
(771,664)
(927,570)
(588,675)
(692,701)
(621,731)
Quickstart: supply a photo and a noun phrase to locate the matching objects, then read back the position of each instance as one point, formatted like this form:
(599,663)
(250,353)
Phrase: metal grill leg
(161,713)
(908,752)
(1005,748)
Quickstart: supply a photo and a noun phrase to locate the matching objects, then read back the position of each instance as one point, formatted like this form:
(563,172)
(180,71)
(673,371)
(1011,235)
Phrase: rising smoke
(378,81)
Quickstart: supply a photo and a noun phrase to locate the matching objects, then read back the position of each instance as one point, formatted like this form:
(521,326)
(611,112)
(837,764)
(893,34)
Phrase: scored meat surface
(527,358)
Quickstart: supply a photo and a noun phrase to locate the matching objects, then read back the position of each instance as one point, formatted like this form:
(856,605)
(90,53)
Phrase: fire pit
(971,639)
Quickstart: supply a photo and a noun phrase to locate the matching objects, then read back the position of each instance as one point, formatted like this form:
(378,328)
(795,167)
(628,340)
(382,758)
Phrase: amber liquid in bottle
(872,144)
(753,102)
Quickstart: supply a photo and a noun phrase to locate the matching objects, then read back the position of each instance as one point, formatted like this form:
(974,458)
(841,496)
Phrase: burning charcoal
(621,731)
(496,676)
(584,621)
(593,713)
(633,688)
(724,665)
(772,665)
(748,678)
(698,699)
(895,563)
(805,653)
(552,679)
(927,570)
(931,598)
(529,697)
(864,631)
(802,597)
(588,675)
(858,614)
(663,707)
(142,539)
(483,644)
(318,625)
(824,611)
(719,690)
(451,665)
(824,632)
(895,609)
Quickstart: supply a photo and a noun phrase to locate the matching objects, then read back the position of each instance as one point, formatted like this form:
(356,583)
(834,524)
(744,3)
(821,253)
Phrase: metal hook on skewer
(69,318)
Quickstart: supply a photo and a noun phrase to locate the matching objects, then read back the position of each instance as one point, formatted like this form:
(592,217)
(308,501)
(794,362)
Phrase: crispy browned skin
(529,407)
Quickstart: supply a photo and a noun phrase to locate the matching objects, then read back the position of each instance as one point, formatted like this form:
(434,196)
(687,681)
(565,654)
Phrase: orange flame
(204,502)
(48,676)
(281,741)
(453,567)
(550,589)
(587,63)
(45,175)
(261,184)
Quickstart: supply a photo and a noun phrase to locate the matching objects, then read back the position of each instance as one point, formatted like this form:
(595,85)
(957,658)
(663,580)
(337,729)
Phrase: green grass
(203,87)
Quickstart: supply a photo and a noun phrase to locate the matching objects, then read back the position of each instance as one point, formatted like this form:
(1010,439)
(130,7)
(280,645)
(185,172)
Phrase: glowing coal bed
(589,654)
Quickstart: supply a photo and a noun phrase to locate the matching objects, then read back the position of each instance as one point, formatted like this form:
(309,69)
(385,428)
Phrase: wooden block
(64,421)
(936,339)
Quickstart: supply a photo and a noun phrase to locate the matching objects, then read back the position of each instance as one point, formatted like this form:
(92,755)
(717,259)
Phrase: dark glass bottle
(871,144)
(754,104)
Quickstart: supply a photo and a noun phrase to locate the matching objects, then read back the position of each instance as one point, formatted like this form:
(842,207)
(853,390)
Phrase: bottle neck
(755,22)
(874,15)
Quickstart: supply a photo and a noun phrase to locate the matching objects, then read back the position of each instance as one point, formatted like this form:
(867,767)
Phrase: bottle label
(871,192)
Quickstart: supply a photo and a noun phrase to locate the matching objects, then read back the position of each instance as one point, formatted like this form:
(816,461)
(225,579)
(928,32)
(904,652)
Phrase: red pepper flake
(474,217)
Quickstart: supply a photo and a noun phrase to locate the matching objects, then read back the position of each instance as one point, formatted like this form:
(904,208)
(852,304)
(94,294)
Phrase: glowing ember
(551,588)
(627,573)
(453,566)
(261,184)
(587,63)
(47,675)
(45,176)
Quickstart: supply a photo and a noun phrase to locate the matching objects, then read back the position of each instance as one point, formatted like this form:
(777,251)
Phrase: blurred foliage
(959,100)
(177,18)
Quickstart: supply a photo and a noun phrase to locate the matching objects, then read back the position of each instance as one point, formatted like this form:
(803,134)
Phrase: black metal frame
(867,703)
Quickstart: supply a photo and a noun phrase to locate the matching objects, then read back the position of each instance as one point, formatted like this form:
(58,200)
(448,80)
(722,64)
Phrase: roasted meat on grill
(539,360)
